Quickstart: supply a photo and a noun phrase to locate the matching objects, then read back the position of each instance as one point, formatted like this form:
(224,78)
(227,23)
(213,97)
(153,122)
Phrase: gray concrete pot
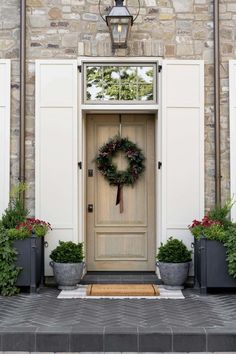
(67,275)
(174,274)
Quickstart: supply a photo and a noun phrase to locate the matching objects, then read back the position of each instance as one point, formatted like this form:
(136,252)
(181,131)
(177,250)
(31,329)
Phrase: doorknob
(90,208)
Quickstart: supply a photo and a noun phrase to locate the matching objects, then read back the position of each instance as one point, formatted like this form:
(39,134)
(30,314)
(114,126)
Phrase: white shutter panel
(232,119)
(56,150)
(182,173)
(5,87)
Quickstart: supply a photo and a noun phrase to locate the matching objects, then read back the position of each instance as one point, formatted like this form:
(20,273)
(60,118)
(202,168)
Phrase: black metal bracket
(80,68)
(159,165)
(80,165)
(159,68)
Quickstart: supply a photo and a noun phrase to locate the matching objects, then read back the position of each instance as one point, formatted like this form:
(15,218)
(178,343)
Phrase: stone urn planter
(67,275)
(174,274)
(67,264)
(173,261)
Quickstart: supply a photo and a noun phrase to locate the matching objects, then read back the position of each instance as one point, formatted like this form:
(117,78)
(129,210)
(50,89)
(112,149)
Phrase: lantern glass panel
(119,29)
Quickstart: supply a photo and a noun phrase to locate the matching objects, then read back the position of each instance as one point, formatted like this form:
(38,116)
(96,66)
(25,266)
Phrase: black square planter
(30,258)
(211,268)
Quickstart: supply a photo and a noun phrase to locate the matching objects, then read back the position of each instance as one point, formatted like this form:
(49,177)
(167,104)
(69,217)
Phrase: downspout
(22,89)
(217,102)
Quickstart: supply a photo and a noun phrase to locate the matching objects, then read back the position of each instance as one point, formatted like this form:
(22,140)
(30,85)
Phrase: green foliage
(109,170)
(15,225)
(221,213)
(174,251)
(29,227)
(19,234)
(214,225)
(67,252)
(217,226)
(40,230)
(15,212)
(230,245)
(8,270)
(213,232)
(119,83)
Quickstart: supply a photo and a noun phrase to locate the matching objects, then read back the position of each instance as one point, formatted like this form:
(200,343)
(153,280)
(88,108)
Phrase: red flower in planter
(32,225)
(205,222)
(208,228)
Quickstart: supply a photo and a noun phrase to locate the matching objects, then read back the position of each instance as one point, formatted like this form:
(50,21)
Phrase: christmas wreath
(110,171)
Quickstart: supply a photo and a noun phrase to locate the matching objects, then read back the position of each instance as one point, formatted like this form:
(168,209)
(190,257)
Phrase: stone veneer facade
(174,29)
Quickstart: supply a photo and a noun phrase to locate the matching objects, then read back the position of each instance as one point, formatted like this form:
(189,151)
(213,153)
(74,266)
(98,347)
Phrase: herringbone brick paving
(44,309)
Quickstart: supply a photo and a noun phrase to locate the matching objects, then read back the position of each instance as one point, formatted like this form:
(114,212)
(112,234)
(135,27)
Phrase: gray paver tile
(221,339)
(54,342)
(187,338)
(49,315)
(23,341)
(15,352)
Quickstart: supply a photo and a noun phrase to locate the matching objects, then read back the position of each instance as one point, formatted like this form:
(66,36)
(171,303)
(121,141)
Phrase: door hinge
(159,165)
(80,165)
(80,68)
(159,68)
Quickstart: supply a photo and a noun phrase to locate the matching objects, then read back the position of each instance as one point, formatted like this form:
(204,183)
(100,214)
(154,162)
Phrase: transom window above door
(126,83)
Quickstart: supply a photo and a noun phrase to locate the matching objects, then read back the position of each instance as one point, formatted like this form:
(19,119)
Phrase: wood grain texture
(118,241)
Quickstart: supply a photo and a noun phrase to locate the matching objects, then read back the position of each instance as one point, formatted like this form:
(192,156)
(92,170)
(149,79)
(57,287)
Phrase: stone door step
(120,278)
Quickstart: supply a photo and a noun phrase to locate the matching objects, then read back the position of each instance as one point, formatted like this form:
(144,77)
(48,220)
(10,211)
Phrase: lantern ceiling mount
(119,21)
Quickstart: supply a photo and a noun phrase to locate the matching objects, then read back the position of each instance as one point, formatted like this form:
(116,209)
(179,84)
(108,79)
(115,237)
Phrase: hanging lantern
(119,21)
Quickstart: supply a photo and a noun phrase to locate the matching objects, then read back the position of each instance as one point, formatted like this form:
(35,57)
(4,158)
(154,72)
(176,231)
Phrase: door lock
(90,173)
(90,208)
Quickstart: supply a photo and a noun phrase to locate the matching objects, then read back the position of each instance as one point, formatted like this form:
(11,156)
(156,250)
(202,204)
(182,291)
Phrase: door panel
(121,241)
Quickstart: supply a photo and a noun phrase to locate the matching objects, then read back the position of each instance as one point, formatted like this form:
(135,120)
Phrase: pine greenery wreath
(109,170)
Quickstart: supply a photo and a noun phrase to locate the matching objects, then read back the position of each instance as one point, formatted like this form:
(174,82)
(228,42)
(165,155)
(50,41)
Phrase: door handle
(90,208)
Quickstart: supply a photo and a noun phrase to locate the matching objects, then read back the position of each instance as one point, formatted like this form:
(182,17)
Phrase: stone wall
(180,29)
(9,49)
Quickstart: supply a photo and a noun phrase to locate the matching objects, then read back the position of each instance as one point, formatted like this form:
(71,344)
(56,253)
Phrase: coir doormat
(123,290)
(82,290)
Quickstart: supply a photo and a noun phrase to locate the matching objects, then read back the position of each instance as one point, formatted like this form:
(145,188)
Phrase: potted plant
(28,239)
(173,261)
(67,264)
(25,238)
(215,249)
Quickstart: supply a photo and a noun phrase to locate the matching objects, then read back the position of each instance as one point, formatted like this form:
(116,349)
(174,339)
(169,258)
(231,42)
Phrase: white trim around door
(84,109)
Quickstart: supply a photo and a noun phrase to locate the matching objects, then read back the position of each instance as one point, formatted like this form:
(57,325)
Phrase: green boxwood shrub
(174,251)
(68,252)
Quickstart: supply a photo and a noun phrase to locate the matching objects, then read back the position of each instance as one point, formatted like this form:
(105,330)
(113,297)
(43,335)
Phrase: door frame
(84,109)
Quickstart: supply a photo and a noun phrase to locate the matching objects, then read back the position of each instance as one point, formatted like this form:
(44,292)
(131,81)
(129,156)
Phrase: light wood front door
(121,241)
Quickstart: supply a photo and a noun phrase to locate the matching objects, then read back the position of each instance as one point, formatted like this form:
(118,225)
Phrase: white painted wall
(5,111)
